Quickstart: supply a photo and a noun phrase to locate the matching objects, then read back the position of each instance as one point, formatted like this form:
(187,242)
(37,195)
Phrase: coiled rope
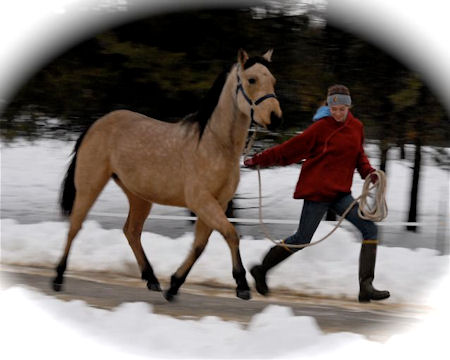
(375,212)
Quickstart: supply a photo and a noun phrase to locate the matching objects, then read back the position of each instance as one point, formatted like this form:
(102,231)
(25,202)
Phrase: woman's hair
(338,89)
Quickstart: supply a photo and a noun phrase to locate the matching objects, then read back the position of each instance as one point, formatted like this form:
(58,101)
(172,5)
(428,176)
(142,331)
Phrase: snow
(329,269)
(31,174)
(134,331)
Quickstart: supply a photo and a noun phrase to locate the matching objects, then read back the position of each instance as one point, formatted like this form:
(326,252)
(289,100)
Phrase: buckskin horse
(193,163)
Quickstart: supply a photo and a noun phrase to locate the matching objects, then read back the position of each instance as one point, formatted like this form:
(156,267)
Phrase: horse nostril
(275,121)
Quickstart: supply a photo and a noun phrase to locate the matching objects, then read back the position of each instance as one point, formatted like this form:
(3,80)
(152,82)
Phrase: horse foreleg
(242,290)
(202,233)
(213,214)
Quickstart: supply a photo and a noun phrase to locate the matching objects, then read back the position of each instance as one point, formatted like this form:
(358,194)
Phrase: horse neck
(228,125)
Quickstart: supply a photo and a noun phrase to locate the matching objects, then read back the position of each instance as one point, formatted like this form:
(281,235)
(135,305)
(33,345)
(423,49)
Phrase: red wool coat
(331,150)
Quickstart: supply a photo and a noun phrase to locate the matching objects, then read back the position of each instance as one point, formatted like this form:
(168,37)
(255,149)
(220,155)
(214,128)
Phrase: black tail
(68,190)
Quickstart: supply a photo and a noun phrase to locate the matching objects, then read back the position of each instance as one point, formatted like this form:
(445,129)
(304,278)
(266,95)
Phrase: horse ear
(242,57)
(268,55)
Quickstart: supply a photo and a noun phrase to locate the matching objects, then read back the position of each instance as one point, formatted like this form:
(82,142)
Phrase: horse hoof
(244,294)
(169,296)
(154,287)
(57,286)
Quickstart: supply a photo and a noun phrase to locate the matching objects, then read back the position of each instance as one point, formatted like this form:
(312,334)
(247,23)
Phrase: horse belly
(155,180)
(162,190)
(158,184)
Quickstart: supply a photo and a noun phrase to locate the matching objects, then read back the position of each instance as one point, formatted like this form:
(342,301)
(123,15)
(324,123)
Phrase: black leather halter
(247,98)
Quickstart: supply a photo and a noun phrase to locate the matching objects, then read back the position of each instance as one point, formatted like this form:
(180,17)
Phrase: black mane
(209,102)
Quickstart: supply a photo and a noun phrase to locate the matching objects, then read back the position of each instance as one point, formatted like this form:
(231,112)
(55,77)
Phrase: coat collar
(348,120)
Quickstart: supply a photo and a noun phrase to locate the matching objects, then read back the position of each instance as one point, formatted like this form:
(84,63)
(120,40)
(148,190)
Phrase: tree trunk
(401,146)
(384,148)
(402,151)
(412,216)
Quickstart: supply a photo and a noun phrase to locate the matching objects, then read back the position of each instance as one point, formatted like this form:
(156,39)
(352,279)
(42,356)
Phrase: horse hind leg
(138,213)
(86,194)
(202,233)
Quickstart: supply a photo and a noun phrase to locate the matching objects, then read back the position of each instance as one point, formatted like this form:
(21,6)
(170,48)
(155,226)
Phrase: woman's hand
(252,162)
(373,178)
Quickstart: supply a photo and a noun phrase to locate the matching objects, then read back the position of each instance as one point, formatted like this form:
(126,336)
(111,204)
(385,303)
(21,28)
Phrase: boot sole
(366,299)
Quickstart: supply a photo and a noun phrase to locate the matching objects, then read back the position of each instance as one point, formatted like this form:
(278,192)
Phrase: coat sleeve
(291,151)
(363,165)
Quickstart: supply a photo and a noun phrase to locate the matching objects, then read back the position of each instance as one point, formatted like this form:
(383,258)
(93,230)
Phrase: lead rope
(377,212)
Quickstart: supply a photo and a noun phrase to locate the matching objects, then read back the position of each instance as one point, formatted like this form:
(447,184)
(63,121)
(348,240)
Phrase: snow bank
(329,269)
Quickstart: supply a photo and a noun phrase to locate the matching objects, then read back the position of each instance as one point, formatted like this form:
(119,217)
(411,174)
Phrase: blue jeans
(313,212)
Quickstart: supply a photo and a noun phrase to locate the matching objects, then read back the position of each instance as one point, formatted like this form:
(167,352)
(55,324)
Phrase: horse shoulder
(217,174)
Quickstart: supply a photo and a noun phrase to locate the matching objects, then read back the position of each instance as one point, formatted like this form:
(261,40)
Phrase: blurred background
(164,64)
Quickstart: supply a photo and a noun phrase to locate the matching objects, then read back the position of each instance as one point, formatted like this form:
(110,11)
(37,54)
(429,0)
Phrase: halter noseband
(247,98)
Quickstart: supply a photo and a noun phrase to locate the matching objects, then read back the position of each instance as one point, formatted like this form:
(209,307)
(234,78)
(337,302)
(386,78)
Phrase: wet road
(376,321)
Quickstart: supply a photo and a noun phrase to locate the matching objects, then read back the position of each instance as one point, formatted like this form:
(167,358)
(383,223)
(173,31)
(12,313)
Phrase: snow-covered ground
(31,176)
(133,331)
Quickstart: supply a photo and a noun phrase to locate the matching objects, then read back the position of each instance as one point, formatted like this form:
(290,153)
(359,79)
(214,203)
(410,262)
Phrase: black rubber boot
(275,255)
(367,259)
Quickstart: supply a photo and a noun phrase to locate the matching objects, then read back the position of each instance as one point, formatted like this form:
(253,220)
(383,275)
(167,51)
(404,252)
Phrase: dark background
(162,66)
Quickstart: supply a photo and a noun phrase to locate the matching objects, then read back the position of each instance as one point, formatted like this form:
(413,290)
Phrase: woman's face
(339,112)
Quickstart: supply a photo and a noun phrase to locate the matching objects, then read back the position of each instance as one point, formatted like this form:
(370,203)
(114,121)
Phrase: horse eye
(251,81)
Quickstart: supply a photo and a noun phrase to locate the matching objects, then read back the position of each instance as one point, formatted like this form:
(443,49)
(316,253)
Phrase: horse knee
(126,232)
(125,227)
(131,233)
(232,237)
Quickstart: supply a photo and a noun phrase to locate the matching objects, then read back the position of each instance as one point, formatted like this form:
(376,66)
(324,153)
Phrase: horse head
(255,89)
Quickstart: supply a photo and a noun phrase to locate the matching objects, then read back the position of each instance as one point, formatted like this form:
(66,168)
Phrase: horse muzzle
(275,121)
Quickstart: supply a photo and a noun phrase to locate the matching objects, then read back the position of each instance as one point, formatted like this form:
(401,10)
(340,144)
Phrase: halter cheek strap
(247,98)
(241,88)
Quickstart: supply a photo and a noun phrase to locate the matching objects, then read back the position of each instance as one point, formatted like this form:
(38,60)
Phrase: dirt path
(376,321)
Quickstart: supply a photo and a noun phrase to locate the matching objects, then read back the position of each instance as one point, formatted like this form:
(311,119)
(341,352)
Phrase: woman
(332,148)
